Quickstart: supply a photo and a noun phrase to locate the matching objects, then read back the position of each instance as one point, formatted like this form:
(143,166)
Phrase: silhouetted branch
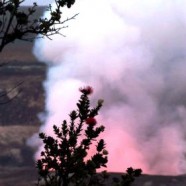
(5,94)
(18,24)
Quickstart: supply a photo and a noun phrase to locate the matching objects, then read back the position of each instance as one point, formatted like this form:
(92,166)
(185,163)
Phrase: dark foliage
(65,159)
(127,178)
(18,24)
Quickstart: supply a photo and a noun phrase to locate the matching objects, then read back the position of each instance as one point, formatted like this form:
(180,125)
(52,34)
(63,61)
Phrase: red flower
(86,90)
(91,121)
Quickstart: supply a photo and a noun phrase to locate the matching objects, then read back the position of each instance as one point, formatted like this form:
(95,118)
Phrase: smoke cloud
(132,52)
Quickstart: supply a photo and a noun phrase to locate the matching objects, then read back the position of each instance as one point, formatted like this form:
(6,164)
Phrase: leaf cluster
(18,24)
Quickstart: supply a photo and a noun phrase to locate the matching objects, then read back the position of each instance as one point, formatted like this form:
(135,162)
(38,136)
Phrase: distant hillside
(21,66)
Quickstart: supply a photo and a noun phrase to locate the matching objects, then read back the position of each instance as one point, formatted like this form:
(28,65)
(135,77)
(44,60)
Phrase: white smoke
(133,53)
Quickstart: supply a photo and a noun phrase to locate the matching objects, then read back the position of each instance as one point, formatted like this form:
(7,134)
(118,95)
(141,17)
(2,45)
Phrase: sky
(39,2)
(133,54)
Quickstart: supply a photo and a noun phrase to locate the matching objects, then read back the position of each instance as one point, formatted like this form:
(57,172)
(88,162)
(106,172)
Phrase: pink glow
(133,54)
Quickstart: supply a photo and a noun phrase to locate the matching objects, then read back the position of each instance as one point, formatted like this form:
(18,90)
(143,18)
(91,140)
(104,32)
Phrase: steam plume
(133,53)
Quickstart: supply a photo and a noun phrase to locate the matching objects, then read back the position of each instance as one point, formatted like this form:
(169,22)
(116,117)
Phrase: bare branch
(5,94)
(18,24)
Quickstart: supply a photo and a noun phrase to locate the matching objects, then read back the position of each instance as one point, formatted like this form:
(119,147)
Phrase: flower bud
(86,90)
(105,152)
(91,121)
(100,102)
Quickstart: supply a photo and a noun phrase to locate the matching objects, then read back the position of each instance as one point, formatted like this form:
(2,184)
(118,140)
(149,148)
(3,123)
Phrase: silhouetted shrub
(65,158)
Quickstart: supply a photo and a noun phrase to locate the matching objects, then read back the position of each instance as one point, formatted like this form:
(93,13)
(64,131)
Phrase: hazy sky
(39,2)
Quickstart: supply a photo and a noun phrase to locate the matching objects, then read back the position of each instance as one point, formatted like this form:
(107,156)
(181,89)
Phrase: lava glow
(132,52)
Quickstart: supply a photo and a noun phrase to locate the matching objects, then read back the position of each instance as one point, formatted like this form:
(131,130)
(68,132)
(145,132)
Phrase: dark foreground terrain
(26,176)
(21,99)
